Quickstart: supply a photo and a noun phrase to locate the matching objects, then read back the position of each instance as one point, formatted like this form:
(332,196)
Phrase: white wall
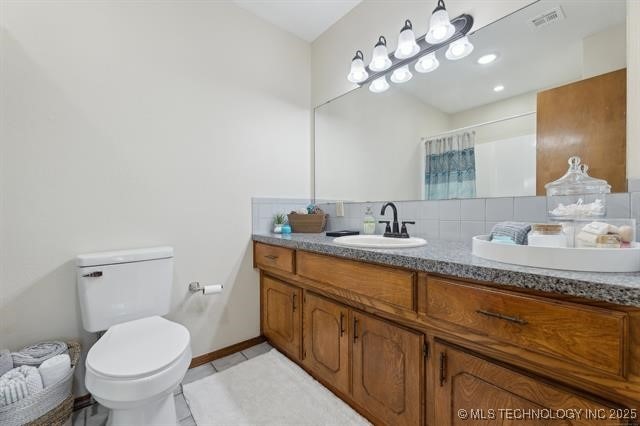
(137,124)
(604,51)
(633,89)
(359,29)
(370,145)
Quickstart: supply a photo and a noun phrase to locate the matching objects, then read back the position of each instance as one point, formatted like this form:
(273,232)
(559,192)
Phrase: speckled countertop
(455,259)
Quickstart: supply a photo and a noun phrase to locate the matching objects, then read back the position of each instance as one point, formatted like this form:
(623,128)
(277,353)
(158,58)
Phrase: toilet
(135,366)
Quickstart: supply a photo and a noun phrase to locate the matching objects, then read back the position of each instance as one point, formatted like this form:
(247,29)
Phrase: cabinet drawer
(589,336)
(273,257)
(389,285)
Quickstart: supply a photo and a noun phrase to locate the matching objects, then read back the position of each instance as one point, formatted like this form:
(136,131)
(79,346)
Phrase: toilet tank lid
(124,256)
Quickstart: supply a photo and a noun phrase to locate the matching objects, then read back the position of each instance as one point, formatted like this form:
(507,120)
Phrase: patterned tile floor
(96,415)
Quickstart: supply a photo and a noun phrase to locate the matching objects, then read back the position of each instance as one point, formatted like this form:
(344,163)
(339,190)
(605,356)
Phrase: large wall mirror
(556,88)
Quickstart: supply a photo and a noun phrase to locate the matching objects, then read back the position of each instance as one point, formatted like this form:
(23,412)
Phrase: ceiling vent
(547,18)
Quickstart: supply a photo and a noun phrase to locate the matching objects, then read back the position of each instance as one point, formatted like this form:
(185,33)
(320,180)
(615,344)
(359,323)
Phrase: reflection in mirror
(541,85)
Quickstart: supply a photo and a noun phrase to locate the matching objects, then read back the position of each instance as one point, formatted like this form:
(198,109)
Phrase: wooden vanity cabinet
(326,340)
(388,370)
(281,318)
(473,390)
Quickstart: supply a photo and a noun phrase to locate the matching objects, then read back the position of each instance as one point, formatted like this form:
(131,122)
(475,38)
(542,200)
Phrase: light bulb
(358,73)
(440,27)
(459,49)
(427,63)
(407,46)
(401,75)
(380,60)
(487,59)
(379,85)
(498,88)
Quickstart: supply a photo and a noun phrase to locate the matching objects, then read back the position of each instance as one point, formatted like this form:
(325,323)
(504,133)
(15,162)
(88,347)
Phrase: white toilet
(135,366)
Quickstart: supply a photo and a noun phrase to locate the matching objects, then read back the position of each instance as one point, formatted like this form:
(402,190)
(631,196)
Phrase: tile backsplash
(456,220)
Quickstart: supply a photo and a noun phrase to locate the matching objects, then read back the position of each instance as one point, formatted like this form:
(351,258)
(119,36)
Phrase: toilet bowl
(134,368)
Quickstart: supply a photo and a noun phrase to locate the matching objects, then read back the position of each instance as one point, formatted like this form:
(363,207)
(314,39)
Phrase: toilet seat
(137,360)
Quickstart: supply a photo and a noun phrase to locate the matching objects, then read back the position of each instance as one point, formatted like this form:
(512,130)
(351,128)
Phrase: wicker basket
(308,223)
(51,407)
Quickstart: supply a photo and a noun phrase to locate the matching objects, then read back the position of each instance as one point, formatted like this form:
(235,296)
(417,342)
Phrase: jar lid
(577,181)
(547,228)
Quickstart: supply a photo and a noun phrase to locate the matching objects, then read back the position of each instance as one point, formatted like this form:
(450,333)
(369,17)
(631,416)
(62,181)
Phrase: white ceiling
(305,18)
(530,59)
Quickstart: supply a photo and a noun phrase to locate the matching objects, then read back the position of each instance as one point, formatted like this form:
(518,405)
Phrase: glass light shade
(440,27)
(379,85)
(459,49)
(380,59)
(358,73)
(427,63)
(401,75)
(407,46)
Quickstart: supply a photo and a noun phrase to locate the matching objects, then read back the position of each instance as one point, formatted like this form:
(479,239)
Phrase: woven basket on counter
(307,223)
(52,406)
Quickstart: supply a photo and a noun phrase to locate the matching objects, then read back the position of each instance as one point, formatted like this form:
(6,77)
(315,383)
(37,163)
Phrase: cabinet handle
(498,315)
(341,324)
(293,301)
(271,256)
(355,329)
(443,368)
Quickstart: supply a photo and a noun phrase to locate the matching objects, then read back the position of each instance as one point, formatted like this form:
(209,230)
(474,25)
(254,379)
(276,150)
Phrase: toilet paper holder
(196,287)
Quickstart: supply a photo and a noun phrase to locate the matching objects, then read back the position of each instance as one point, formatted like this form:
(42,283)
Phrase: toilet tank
(120,286)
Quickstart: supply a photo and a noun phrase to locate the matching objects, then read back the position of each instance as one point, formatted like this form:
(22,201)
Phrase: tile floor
(96,415)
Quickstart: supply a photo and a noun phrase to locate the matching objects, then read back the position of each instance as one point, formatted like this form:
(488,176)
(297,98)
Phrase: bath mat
(266,390)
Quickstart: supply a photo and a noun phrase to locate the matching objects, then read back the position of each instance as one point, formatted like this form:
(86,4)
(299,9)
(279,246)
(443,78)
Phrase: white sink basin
(378,241)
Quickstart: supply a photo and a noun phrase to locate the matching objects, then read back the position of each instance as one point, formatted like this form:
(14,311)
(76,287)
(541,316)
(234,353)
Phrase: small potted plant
(279,219)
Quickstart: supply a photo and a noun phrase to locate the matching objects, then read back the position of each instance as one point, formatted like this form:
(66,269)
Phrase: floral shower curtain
(450,167)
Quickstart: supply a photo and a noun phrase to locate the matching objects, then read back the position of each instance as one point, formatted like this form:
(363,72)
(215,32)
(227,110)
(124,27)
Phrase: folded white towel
(6,361)
(36,354)
(19,383)
(54,369)
(598,228)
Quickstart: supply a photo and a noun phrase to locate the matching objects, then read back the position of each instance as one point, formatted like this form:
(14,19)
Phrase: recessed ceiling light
(487,59)
(498,88)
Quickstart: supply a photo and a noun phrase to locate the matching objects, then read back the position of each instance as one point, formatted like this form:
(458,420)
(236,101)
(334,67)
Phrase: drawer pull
(341,324)
(443,368)
(271,256)
(293,301)
(498,315)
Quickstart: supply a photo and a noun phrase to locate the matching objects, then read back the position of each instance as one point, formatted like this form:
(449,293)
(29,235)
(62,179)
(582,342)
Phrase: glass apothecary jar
(577,195)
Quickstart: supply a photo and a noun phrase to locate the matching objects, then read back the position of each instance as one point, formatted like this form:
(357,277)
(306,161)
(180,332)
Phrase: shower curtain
(450,167)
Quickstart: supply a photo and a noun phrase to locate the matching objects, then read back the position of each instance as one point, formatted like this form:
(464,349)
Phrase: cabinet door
(281,315)
(326,340)
(490,394)
(387,370)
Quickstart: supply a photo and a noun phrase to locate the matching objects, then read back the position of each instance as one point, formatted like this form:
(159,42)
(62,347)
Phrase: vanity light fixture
(401,75)
(380,60)
(407,46)
(498,88)
(440,27)
(427,63)
(396,66)
(487,59)
(379,85)
(459,49)
(358,73)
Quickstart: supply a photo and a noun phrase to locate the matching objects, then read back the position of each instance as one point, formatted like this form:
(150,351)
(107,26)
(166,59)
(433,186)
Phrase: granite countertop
(455,259)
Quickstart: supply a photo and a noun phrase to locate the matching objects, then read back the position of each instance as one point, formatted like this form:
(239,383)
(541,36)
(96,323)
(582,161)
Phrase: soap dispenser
(369,222)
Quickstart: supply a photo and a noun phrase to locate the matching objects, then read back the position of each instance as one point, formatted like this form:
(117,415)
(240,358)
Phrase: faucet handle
(403,231)
(387,229)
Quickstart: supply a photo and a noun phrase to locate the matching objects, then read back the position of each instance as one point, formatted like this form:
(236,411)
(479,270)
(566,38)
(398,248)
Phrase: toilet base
(160,411)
